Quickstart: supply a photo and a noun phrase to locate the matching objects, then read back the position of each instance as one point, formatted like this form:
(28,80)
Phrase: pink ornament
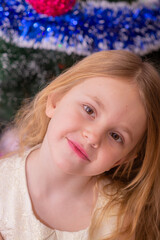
(52,7)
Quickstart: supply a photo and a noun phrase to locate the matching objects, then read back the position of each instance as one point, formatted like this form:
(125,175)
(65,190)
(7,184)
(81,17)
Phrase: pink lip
(78,150)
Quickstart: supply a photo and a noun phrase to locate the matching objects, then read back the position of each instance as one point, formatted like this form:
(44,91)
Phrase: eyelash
(112,134)
(85,107)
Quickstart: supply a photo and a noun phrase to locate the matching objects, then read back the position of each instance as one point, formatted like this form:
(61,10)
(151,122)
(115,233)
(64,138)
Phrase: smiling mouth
(78,150)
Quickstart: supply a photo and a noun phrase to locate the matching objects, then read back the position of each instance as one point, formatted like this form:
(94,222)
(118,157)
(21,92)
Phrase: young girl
(88,165)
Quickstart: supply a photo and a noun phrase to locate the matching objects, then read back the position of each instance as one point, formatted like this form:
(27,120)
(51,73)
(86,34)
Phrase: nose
(92,137)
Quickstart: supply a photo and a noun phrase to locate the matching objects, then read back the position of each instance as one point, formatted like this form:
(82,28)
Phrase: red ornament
(52,7)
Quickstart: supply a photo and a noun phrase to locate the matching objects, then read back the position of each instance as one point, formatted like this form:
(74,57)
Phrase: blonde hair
(137,181)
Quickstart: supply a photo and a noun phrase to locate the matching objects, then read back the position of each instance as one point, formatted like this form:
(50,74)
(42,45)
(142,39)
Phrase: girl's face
(94,126)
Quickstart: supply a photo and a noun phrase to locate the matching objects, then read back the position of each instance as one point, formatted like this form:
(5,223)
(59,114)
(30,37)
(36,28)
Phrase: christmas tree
(39,41)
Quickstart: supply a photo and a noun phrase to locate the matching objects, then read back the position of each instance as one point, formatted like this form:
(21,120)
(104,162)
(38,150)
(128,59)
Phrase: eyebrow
(125,129)
(98,101)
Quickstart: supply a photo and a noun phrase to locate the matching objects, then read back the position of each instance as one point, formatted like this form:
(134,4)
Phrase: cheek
(64,122)
(109,157)
(71,118)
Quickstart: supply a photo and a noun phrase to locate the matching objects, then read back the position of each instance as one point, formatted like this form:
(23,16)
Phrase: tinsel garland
(89,27)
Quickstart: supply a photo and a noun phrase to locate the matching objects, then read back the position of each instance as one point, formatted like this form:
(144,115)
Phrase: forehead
(99,85)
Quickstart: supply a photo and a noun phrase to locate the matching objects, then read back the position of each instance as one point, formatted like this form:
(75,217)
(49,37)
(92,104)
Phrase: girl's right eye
(89,110)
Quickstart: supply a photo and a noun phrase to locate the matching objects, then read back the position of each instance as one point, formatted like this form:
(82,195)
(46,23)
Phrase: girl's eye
(116,137)
(88,110)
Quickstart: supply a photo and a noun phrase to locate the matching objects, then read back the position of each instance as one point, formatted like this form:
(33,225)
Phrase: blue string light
(89,27)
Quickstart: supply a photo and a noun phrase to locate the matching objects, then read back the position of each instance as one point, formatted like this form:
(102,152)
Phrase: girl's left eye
(88,110)
(116,137)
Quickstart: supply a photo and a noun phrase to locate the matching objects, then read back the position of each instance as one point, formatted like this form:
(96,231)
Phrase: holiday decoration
(52,7)
(36,47)
(24,71)
(89,27)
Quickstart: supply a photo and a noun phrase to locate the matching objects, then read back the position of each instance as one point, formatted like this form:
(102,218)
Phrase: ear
(50,105)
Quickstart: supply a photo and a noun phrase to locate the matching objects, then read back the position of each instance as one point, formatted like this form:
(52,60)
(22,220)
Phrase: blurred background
(41,38)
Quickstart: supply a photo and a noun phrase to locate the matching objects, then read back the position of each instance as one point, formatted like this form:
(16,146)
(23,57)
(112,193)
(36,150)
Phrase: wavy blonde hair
(137,182)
